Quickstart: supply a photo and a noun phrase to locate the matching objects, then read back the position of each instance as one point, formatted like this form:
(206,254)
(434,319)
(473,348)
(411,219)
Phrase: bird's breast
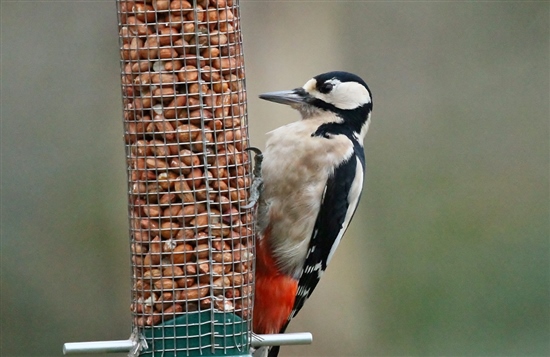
(295,170)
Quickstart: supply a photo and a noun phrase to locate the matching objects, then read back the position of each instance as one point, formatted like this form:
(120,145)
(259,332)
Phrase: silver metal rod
(298,338)
(97,347)
(71,348)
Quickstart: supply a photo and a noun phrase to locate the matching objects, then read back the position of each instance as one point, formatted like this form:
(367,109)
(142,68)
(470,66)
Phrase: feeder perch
(189,175)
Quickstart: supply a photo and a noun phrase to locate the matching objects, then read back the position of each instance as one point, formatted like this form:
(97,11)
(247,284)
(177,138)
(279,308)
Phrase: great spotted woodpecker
(312,175)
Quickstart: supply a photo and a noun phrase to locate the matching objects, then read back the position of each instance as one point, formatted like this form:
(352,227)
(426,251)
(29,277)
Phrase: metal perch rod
(71,348)
(297,338)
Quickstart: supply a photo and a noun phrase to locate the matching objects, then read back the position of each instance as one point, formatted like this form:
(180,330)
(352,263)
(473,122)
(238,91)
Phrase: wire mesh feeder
(186,129)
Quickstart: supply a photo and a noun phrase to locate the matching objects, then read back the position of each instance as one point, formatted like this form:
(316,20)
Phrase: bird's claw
(257,182)
(255,191)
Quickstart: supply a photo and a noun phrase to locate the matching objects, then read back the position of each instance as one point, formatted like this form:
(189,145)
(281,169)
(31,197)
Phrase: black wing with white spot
(330,224)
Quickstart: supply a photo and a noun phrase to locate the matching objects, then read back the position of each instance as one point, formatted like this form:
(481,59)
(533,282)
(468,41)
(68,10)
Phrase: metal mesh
(184,97)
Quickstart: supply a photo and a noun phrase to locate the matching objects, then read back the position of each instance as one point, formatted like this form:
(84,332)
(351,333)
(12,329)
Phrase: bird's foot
(257,182)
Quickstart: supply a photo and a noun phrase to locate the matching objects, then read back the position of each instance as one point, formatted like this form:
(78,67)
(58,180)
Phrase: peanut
(161,4)
(182,188)
(179,5)
(193,293)
(182,253)
(137,27)
(144,13)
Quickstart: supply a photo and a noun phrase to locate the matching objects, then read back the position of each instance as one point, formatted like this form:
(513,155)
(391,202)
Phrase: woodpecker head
(341,93)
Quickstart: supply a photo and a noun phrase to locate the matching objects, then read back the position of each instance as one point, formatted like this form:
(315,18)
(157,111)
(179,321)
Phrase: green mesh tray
(194,334)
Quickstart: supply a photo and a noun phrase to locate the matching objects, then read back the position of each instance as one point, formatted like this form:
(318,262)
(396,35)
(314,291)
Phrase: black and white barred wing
(340,199)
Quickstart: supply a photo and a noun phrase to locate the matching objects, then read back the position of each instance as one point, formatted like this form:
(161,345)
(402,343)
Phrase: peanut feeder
(184,98)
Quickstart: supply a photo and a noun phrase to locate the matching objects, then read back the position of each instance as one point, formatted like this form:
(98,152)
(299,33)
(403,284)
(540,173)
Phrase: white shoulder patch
(353,200)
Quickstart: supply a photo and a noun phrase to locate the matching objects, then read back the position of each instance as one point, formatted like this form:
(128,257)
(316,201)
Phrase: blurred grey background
(449,252)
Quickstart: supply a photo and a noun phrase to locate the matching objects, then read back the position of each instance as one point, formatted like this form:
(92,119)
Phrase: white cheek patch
(350,95)
(344,95)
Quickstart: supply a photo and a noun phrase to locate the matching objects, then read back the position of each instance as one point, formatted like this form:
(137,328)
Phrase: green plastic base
(194,334)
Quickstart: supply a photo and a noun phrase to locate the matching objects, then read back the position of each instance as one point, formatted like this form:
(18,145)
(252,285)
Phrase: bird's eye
(325,87)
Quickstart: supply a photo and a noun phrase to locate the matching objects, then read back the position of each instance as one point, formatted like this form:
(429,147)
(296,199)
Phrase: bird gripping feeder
(189,174)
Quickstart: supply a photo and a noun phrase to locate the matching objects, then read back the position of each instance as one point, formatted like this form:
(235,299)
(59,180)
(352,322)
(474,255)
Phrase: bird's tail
(261,352)
(273,351)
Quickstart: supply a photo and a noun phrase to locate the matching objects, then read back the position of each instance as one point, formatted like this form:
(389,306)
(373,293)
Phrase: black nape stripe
(355,118)
(327,129)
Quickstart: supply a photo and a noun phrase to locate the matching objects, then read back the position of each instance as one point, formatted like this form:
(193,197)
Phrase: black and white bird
(312,171)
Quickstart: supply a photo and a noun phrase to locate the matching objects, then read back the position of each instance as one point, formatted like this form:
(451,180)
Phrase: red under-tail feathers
(275,292)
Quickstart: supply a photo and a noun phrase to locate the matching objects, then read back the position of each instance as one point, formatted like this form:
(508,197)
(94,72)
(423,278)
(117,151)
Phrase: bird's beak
(288,97)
